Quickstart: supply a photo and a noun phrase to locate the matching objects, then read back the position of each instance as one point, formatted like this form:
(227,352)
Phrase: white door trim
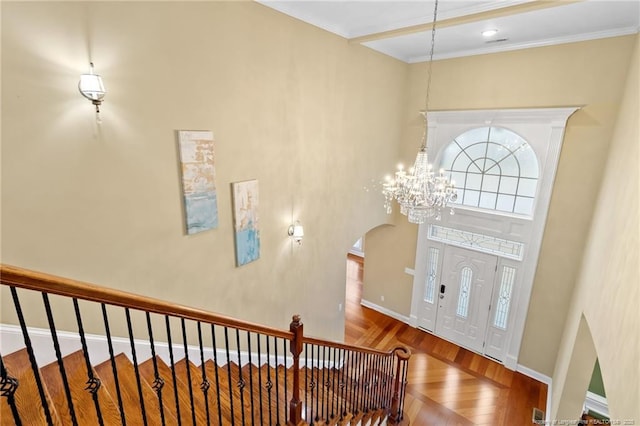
(544,129)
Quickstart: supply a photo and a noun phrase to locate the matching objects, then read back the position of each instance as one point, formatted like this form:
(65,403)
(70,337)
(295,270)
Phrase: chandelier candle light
(421,193)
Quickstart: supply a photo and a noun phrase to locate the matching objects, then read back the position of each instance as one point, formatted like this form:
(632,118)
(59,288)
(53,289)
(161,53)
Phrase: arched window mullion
(494,173)
(464,151)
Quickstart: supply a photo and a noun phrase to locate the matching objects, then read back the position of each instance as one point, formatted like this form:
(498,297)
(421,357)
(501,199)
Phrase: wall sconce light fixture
(296,232)
(92,88)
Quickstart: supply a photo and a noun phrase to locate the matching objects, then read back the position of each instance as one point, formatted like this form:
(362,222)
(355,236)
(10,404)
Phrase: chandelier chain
(429,72)
(420,192)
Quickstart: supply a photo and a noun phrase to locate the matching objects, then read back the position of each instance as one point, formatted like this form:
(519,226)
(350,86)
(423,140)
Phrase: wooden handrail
(363,349)
(24,278)
(37,281)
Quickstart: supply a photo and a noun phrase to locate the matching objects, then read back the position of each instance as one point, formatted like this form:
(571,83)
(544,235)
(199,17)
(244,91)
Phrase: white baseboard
(543,379)
(386,311)
(11,340)
(597,404)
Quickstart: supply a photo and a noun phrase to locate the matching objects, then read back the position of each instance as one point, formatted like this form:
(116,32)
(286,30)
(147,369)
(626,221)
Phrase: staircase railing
(181,365)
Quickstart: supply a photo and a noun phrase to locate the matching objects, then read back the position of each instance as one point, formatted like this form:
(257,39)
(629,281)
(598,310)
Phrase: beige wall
(588,74)
(309,115)
(607,293)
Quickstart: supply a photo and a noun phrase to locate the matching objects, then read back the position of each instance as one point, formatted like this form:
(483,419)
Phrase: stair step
(169,391)
(84,406)
(129,391)
(199,402)
(27,397)
(265,384)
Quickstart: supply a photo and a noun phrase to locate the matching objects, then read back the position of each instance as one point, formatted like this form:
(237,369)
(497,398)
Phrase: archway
(578,375)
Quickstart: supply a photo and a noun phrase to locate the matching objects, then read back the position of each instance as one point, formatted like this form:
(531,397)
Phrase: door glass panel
(504,297)
(465,289)
(432,272)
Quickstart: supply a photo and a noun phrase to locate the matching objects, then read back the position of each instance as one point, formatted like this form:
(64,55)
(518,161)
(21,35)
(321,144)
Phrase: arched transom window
(493,168)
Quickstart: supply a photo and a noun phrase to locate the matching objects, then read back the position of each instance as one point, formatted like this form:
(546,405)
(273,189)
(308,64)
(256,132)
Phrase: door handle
(442,288)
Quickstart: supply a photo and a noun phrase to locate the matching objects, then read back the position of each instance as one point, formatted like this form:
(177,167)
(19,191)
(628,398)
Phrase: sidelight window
(504,297)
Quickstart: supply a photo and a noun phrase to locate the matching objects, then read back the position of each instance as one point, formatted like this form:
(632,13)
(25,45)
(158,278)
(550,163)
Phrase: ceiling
(402,29)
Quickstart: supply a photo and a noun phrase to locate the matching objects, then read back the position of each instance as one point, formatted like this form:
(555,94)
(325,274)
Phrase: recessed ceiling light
(489,33)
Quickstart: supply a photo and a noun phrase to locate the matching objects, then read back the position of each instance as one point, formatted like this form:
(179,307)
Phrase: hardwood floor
(447,385)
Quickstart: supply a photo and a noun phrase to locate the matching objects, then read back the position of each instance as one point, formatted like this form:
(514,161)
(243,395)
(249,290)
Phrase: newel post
(397,401)
(295,406)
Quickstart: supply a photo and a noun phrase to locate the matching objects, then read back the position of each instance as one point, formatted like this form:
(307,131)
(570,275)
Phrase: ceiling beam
(459,20)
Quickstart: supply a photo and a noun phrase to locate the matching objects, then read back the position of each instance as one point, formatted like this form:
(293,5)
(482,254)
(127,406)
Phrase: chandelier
(420,192)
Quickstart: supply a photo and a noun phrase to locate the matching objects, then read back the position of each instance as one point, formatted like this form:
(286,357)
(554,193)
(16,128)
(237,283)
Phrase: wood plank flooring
(447,385)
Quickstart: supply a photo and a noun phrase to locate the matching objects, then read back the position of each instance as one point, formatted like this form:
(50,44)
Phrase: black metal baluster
(322,384)
(326,371)
(135,365)
(204,386)
(377,383)
(386,383)
(269,383)
(158,382)
(349,383)
(286,395)
(343,367)
(188,364)
(226,346)
(260,378)
(392,372)
(356,383)
(362,383)
(366,394)
(327,384)
(56,346)
(383,382)
(250,377)
(114,369)
(353,382)
(312,387)
(318,383)
(8,387)
(215,366)
(306,381)
(32,358)
(275,348)
(371,379)
(334,394)
(241,382)
(173,367)
(93,383)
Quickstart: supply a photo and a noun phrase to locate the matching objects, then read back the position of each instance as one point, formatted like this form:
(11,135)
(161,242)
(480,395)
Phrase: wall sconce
(92,88)
(296,232)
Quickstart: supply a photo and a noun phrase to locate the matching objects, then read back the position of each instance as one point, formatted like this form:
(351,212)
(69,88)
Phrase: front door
(464,296)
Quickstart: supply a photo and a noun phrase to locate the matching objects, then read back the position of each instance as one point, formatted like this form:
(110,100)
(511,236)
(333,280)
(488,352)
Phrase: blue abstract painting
(198,180)
(245,221)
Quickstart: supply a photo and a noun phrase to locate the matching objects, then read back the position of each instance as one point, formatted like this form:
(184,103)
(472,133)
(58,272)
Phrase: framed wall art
(245,221)
(197,161)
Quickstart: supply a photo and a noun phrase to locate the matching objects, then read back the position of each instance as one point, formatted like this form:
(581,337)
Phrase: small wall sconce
(296,232)
(92,88)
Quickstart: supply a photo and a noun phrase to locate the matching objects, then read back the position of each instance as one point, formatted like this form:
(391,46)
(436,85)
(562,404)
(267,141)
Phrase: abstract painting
(245,221)
(198,180)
